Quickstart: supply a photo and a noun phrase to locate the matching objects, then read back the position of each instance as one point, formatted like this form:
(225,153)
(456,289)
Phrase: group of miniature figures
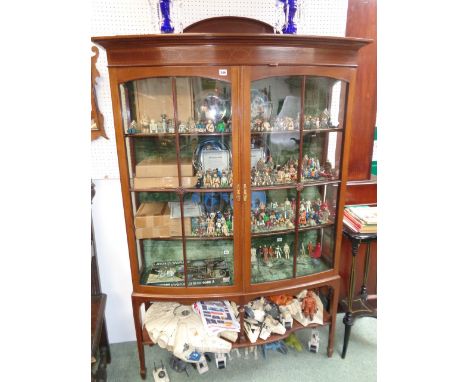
(311,168)
(279,124)
(266,173)
(269,253)
(150,126)
(165,125)
(281,216)
(206,126)
(213,224)
(318,121)
(214,178)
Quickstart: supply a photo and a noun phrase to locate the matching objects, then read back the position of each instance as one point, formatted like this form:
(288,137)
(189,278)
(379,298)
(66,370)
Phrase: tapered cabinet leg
(335,292)
(139,335)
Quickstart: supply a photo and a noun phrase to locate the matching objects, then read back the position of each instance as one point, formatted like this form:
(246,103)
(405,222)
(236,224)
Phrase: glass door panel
(272,257)
(209,236)
(159,240)
(178,133)
(296,133)
(316,249)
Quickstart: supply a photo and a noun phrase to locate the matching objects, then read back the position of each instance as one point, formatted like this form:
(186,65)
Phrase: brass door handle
(238,196)
(245,192)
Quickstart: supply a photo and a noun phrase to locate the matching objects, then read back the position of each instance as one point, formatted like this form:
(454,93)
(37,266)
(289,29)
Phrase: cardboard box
(150,214)
(153,220)
(154,167)
(164,182)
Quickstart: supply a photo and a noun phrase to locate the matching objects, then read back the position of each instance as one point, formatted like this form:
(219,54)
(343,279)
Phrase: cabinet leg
(335,292)
(348,322)
(139,336)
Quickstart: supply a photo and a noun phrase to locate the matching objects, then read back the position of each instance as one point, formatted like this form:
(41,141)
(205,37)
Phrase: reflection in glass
(273,210)
(149,106)
(203,105)
(164,263)
(209,214)
(317,205)
(315,251)
(320,156)
(272,258)
(322,105)
(275,104)
(210,262)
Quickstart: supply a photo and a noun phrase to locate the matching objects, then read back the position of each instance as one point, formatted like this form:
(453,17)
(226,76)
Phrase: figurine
(265,254)
(314,342)
(220,127)
(317,253)
(224,180)
(145,124)
(253,255)
(310,249)
(220,359)
(210,126)
(216,181)
(309,305)
(286,251)
(182,128)
(278,252)
(163,123)
(153,126)
(293,342)
(133,128)
(160,374)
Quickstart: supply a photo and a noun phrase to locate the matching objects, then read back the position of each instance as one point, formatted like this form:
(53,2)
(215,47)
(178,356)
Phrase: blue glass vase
(166,22)
(290,9)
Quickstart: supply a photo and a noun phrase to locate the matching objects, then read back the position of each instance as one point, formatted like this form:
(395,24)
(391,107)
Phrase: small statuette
(220,127)
(153,126)
(133,128)
(210,126)
(163,123)
(182,128)
(144,124)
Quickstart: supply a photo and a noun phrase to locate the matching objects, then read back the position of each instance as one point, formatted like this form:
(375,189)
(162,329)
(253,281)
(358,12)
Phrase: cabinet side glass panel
(316,251)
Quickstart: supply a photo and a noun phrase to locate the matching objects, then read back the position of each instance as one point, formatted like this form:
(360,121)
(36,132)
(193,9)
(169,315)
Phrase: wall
(118,17)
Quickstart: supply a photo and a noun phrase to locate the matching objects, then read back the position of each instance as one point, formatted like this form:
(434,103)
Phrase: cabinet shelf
(244,342)
(190,238)
(292,230)
(165,135)
(311,131)
(182,189)
(306,183)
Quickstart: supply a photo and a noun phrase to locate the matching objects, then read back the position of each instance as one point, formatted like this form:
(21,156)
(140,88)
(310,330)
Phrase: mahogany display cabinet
(233,152)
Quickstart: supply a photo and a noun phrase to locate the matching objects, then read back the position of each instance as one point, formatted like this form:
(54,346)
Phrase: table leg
(366,273)
(139,335)
(348,319)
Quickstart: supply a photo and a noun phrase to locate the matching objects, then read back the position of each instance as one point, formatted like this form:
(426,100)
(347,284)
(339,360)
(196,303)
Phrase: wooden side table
(362,306)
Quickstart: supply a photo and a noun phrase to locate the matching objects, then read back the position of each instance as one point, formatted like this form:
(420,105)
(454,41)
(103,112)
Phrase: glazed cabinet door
(294,132)
(180,141)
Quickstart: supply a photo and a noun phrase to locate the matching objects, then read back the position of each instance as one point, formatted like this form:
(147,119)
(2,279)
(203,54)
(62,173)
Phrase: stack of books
(361,218)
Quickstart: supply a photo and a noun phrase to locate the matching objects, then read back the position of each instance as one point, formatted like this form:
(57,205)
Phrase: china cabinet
(233,153)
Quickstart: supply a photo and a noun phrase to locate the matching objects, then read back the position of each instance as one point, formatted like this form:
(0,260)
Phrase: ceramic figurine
(286,251)
(220,127)
(145,124)
(163,123)
(133,128)
(216,181)
(210,126)
(153,126)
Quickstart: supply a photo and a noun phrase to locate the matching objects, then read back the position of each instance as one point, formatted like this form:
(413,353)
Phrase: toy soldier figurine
(309,305)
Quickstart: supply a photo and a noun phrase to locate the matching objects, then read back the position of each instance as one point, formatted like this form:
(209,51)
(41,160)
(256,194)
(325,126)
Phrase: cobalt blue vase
(291,9)
(166,22)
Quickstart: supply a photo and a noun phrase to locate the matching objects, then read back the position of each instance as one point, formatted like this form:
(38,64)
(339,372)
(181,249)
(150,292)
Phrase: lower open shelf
(244,341)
